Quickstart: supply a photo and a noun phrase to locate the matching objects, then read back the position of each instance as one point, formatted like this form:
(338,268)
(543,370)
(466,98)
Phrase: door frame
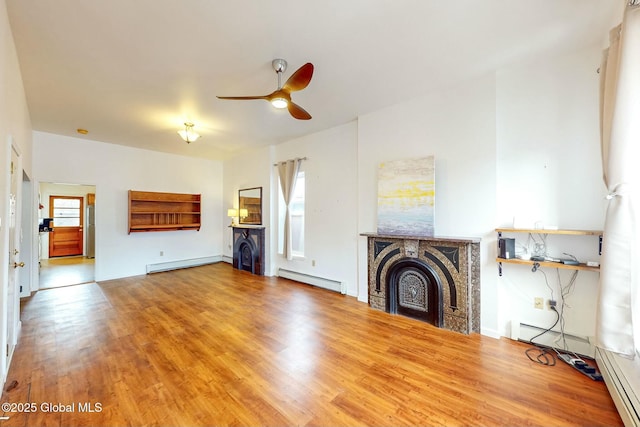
(29,237)
(81,239)
(10,306)
(45,188)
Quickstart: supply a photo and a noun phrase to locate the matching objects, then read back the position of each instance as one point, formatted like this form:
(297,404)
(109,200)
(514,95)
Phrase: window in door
(66,211)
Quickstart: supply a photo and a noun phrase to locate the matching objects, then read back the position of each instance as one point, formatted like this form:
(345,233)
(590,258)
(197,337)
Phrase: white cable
(564,292)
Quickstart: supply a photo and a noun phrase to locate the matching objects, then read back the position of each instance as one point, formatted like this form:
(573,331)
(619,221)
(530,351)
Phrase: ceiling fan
(281,97)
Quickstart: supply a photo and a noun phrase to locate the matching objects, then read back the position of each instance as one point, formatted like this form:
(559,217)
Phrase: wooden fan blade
(298,112)
(300,79)
(241,98)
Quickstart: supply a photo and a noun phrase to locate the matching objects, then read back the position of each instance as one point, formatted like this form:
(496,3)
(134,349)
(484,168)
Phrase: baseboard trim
(626,399)
(577,344)
(492,333)
(184,263)
(321,282)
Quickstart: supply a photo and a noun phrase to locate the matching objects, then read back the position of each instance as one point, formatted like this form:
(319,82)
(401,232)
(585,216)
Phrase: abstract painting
(406,197)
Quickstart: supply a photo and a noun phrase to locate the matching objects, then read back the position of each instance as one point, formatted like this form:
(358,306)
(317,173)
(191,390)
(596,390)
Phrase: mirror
(251,200)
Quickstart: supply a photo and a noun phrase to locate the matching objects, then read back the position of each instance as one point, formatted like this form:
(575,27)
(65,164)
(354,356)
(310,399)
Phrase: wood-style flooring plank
(215,346)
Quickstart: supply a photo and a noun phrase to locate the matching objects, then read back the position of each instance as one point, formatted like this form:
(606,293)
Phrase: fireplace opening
(414,290)
(246,258)
(248,249)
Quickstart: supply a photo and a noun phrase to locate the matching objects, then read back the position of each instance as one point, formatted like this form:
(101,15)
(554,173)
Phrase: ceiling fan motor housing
(280,65)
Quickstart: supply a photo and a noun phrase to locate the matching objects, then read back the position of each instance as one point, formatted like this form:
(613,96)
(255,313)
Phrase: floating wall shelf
(153,211)
(550,264)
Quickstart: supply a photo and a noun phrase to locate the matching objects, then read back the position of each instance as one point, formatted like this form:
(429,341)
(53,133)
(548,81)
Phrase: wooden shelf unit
(154,211)
(545,231)
(550,264)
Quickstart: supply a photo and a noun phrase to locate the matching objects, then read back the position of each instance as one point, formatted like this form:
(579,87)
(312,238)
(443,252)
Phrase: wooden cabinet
(153,211)
(552,264)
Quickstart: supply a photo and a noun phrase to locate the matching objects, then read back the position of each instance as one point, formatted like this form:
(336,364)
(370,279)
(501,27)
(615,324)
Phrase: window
(296,209)
(66,212)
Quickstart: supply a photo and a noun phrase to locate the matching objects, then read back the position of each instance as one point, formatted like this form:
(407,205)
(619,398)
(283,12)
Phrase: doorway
(67,234)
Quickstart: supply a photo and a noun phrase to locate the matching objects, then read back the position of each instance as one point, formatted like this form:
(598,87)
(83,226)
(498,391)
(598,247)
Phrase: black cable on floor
(540,354)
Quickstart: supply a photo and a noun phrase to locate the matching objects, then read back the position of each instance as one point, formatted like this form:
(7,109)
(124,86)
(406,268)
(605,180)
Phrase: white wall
(457,126)
(330,201)
(248,170)
(549,170)
(15,129)
(523,143)
(115,169)
(331,204)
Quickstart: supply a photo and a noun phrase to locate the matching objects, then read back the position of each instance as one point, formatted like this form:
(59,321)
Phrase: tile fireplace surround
(453,263)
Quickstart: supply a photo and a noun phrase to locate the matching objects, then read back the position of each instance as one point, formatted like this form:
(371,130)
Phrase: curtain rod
(297,158)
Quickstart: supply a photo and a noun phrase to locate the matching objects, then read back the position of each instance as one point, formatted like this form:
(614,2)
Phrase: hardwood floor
(215,346)
(65,271)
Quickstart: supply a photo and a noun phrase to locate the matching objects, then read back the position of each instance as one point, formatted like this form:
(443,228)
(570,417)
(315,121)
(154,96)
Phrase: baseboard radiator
(183,263)
(321,282)
(575,343)
(623,381)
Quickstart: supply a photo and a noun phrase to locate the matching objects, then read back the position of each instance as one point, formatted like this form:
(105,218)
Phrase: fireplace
(248,249)
(414,290)
(436,280)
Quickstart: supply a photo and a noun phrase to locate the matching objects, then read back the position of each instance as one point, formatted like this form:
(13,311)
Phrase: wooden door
(67,237)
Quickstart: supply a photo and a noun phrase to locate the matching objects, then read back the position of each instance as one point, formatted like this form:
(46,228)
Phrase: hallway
(57,272)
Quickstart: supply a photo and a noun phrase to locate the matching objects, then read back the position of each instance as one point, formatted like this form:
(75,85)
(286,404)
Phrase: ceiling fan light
(279,102)
(188,134)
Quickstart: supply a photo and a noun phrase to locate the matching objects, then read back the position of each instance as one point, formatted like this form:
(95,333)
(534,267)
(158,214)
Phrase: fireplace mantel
(454,260)
(425,238)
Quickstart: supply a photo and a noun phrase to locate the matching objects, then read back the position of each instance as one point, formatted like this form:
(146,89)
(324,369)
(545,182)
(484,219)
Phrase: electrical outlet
(538,303)
(161,253)
(313,263)
(551,303)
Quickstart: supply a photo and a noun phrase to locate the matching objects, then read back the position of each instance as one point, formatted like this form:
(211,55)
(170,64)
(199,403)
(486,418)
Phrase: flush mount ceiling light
(188,134)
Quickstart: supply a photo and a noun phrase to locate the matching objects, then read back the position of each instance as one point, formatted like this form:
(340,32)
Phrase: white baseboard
(575,343)
(492,333)
(228,259)
(183,263)
(619,383)
(321,282)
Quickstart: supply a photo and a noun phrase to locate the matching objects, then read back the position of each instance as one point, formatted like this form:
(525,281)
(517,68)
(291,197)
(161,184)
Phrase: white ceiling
(132,71)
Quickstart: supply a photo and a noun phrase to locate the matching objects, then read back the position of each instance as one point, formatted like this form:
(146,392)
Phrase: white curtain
(618,317)
(288,173)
